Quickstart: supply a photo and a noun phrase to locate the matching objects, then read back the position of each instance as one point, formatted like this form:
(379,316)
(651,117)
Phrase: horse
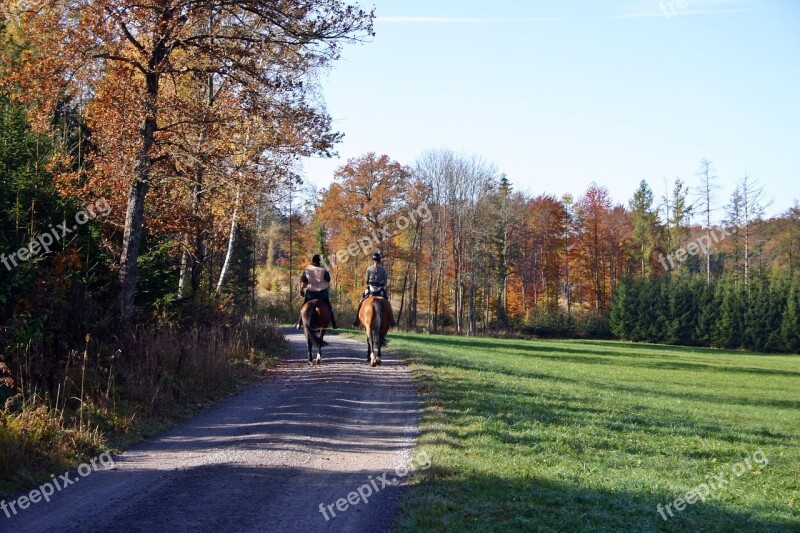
(376,315)
(316,317)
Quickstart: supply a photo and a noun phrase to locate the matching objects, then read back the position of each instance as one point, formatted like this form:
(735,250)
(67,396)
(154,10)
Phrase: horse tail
(377,325)
(308,317)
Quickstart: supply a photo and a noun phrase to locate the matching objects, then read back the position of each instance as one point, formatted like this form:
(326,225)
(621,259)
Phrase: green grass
(593,435)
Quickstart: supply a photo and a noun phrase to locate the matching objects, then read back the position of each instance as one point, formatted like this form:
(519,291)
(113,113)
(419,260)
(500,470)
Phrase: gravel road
(263,460)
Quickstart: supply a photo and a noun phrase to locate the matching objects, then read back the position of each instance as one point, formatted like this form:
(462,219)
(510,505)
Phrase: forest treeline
(684,266)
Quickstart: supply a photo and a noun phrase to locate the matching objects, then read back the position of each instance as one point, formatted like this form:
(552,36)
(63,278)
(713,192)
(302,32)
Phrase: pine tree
(728,328)
(708,306)
(755,332)
(641,323)
(660,316)
(790,324)
(645,221)
(778,298)
(620,313)
(684,311)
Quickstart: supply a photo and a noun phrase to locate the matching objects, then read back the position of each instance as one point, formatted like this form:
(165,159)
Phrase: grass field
(594,435)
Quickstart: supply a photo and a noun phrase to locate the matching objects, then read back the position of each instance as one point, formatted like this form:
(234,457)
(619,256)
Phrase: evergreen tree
(684,311)
(619,315)
(645,220)
(778,298)
(708,312)
(790,324)
(756,309)
(680,213)
(729,326)
(642,321)
(660,310)
(29,202)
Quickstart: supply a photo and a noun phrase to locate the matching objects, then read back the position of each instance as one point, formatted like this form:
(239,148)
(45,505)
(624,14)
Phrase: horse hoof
(378,362)
(319,360)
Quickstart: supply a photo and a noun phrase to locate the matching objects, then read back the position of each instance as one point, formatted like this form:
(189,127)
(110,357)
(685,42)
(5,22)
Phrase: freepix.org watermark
(715,235)
(714,483)
(43,242)
(373,486)
(670,7)
(56,484)
(363,245)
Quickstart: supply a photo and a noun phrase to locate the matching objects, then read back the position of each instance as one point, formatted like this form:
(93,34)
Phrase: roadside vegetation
(593,435)
(104,402)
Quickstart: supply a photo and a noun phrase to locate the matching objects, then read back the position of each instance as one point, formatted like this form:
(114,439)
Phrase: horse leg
(310,359)
(373,359)
(319,348)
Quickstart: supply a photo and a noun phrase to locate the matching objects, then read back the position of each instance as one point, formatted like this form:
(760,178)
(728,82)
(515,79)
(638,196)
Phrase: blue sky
(562,93)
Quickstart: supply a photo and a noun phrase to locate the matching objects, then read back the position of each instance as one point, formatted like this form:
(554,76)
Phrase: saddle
(375,290)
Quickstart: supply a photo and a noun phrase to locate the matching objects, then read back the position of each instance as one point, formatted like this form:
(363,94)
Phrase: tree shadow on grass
(606,357)
(604,385)
(556,409)
(448,500)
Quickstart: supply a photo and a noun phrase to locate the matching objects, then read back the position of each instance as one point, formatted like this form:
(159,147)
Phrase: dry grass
(104,398)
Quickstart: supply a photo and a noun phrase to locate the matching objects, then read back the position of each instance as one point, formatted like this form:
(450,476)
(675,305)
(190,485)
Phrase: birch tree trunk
(231,240)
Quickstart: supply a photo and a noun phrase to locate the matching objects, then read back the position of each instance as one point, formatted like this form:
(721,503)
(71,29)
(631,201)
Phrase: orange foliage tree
(167,81)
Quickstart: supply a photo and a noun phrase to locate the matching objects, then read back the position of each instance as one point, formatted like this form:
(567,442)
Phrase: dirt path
(263,460)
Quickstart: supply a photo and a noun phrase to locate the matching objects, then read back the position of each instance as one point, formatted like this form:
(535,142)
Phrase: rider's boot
(333,318)
(357,322)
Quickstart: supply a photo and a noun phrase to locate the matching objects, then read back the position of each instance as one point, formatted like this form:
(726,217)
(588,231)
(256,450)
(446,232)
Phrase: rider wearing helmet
(376,283)
(315,280)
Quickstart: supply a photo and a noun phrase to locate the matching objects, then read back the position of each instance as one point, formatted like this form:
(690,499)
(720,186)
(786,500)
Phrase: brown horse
(316,317)
(376,315)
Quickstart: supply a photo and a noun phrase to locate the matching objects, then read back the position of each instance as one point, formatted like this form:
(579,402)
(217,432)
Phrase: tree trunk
(412,310)
(134,214)
(231,240)
(198,241)
(184,267)
(134,223)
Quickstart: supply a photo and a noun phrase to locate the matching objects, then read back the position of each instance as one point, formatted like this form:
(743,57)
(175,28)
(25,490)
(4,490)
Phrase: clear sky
(560,93)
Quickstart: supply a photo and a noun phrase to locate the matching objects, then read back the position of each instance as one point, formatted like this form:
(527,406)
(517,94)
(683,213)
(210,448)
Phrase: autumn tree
(546,223)
(130,52)
(367,193)
(594,209)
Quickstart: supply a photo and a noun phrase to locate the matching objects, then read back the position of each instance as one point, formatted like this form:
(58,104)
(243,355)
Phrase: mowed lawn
(593,435)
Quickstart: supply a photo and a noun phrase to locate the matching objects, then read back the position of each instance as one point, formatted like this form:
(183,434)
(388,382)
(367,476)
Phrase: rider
(376,283)
(315,280)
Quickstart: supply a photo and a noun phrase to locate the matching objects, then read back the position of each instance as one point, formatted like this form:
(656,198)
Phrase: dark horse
(376,315)
(316,317)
